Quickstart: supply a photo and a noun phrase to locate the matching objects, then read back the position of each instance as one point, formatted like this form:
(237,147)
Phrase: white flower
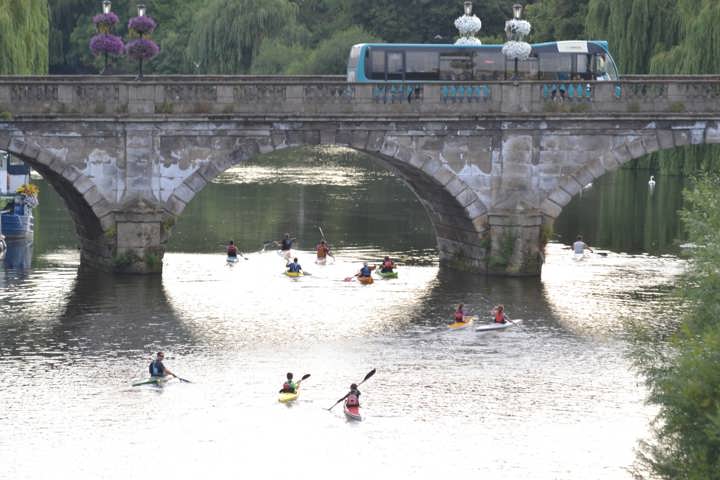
(468,41)
(521,27)
(468,25)
(519,50)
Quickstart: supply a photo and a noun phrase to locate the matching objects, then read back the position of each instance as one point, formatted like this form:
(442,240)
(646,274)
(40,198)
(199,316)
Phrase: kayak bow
(352,413)
(458,325)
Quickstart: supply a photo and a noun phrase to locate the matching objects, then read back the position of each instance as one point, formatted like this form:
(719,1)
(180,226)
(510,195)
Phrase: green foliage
(331,55)
(24,35)
(227,34)
(684,376)
(557,20)
(277,58)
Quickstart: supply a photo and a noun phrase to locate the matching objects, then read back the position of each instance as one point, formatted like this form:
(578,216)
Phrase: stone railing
(316,96)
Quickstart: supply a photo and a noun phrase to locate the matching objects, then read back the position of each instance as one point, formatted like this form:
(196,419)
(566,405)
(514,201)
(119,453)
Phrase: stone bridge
(492,163)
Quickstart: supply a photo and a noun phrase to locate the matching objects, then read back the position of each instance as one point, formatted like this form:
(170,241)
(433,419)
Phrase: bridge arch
(457,214)
(611,152)
(89,209)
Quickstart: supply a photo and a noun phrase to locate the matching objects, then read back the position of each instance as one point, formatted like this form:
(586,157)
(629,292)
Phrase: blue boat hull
(17,226)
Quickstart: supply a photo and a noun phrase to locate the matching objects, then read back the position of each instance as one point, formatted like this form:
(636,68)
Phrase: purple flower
(106,43)
(106,19)
(142,25)
(142,49)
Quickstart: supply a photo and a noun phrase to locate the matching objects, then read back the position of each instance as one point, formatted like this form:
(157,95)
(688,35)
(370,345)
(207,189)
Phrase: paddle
(322,235)
(367,377)
(182,379)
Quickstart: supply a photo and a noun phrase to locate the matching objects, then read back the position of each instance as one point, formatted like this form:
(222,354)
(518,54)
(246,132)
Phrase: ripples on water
(554,398)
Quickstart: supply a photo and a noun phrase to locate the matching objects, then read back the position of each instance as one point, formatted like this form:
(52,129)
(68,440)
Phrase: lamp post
(142,47)
(468,25)
(516,30)
(105,42)
(107,6)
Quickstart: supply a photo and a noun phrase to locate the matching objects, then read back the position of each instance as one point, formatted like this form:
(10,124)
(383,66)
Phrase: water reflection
(558,389)
(18,255)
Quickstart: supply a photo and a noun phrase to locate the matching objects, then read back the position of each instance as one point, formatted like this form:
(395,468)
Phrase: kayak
(458,325)
(365,280)
(496,326)
(159,381)
(387,274)
(232,259)
(289,397)
(294,274)
(352,413)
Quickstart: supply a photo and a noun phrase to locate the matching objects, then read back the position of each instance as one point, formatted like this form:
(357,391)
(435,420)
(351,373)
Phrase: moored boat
(17,198)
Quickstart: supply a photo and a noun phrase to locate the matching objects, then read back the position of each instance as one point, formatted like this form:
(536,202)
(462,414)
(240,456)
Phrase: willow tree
(24,31)
(228,33)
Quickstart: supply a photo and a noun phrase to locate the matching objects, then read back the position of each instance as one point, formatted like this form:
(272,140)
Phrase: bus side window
(376,65)
(395,66)
(456,66)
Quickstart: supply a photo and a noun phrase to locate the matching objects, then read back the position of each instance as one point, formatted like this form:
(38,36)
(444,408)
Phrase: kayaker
(579,246)
(157,369)
(286,243)
(460,314)
(387,265)
(352,399)
(322,250)
(289,386)
(232,250)
(499,314)
(294,266)
(365,271)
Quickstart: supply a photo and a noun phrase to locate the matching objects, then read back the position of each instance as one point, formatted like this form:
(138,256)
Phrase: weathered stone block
(184,193)
(584,176)
(174,205)
(195,182)
(636,148)
(138,235)
(560,197)
(443,175)
(83,184)
(455,186)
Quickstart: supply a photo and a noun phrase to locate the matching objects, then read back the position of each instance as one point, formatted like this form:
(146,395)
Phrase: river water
(552,398)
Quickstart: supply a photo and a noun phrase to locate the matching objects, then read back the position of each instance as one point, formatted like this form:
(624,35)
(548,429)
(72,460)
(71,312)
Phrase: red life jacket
(388,264)
(352,400)
(232,251)
(500,316)
(322,250)
(459,316)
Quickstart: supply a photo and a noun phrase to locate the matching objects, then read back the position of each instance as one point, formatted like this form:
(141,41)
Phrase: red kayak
(352,413)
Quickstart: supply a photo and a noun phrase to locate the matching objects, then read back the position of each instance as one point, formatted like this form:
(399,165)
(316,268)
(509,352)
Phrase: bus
(551,61)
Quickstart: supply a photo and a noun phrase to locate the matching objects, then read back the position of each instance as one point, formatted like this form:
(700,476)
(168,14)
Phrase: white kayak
(497,326)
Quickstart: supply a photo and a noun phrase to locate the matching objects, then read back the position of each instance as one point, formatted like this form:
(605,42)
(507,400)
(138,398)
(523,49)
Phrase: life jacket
(365,272)
(353,400)
(294,267)
(322,251)
(286,244)
(157,369)
(388,265)
(459,316)
(288,387)
(500,316)
(232,251)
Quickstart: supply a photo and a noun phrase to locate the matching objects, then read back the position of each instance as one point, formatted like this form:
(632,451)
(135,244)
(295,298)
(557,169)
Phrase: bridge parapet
(22,97)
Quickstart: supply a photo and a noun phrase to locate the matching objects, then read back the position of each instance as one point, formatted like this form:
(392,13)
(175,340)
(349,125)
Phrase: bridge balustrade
(22,97)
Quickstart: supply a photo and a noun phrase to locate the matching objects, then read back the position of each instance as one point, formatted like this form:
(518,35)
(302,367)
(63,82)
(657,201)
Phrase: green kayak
(387,274)
(153,381)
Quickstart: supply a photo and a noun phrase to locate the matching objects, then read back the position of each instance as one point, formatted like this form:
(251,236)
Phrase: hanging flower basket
(468,25)
(104,22)
(106,43)
(142,49)
(468,41)
(519,50)
(517,29)
(142,25)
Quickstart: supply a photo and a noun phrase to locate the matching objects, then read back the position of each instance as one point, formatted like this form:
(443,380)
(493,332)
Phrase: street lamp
(468,8)
(141,10)
(516,30)
(107,6)
(517,11)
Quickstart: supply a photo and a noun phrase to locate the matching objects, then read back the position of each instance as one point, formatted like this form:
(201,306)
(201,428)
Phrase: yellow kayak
(458,325)
(294,274)
(289,397)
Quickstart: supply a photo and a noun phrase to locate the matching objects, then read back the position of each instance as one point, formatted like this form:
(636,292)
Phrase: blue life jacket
(157,369)
(365,271)
(286,244)
(294,267)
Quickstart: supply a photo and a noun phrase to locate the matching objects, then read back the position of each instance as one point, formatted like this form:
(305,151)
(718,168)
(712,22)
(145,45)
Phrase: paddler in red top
(232,250)
(460,314)
(499,313)
(387,265)
(322,251)
(352,399)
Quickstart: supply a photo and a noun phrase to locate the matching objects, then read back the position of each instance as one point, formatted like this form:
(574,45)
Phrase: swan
(651,182)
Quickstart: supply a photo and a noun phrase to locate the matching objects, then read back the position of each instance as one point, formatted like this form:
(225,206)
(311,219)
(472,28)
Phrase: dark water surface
(554,398)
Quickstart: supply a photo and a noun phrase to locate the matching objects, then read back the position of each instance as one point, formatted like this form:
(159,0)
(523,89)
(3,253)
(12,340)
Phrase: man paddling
(289,386)
(365,271)
(286,245)
(352,399)
(387,266)
(322,250)
(157,369)
(579,246)
(294,266)
(232,251)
